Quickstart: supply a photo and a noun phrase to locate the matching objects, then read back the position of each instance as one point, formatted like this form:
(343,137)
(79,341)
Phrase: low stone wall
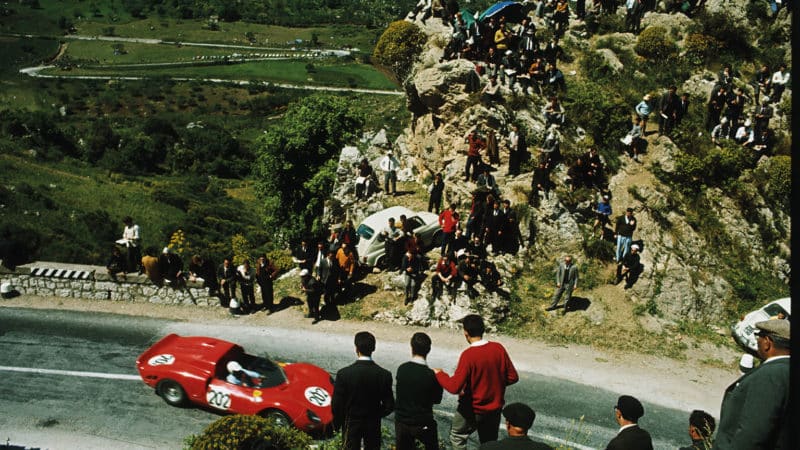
(53,279)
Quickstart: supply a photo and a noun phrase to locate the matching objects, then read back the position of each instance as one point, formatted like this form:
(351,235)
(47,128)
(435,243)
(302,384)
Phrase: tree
(297,162)
(398,47)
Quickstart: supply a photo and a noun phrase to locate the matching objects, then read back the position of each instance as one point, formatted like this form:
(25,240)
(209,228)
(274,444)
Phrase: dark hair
(473,325)
(365,343)
(420,344)
(703,422)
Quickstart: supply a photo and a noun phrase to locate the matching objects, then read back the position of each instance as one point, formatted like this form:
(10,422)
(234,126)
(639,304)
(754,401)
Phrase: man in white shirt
(779,81)
(131,239)
(389,165)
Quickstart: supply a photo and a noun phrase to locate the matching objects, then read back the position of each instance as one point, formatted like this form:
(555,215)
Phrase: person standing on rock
(389,165)
(484,370)
(476,144)
(623,232)
(448,221)
(566,282)
(516,150)
(435,190)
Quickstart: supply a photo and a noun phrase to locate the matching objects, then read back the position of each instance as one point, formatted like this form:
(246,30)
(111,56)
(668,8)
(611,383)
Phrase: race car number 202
(318,396)
(218,399)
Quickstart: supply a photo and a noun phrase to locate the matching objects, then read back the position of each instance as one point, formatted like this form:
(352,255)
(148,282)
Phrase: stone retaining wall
(69,280)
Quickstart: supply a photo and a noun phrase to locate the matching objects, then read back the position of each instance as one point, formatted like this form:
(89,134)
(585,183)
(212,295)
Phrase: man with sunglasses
(754,412)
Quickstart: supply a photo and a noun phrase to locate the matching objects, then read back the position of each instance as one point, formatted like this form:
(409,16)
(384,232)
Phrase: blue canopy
(514,12)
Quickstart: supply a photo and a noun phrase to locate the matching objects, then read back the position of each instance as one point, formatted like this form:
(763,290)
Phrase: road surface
(68,381)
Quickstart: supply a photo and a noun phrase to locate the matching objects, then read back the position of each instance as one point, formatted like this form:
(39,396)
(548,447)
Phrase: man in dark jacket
(417,392)
(362,395)
(627,412)
(668,111)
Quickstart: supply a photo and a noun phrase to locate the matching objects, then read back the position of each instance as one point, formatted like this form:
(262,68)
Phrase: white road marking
(72,373)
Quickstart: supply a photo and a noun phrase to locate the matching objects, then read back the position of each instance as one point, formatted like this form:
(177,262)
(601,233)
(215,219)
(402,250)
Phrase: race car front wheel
(279,417)
(172,392)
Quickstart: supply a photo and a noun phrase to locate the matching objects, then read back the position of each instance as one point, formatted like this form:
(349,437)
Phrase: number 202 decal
(318,396)
(218,399)
(161,360)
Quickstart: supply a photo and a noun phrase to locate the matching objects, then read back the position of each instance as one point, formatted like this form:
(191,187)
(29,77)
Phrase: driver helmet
(234,366)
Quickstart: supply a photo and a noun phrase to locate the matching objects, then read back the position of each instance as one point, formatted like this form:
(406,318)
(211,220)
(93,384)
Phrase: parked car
(370,245)
(186,370)
(743,331)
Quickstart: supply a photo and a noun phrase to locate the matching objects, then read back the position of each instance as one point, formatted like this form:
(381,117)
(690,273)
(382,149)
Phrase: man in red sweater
(483,372)
(448,220)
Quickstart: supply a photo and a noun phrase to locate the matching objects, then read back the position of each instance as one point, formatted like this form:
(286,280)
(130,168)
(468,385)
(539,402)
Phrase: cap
(746,363)
(234,366)
(519,415)
(304,272)
(634,247)
(765,99)
(166,250)
(605,197)
(630,408)
(748,122)
(509,52)
(776,327)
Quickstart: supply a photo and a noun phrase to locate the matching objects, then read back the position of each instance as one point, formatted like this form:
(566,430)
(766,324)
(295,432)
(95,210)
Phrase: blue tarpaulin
(514,12)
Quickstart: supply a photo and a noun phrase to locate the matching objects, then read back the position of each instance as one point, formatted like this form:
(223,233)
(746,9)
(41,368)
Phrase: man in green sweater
(417,391)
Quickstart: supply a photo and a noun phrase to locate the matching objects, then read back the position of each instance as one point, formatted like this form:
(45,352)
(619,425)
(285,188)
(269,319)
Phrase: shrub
(239,431)
(653,43)
(775,180)
(735,38)
(700,48)
(397,48)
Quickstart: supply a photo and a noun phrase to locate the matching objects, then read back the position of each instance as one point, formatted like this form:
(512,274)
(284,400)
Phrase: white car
(744,331)
(370,245)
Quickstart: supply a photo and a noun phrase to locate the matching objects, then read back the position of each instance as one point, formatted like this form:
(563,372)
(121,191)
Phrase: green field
(284,71)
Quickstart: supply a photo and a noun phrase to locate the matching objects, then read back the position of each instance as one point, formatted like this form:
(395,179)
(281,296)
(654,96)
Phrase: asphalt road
(68,381)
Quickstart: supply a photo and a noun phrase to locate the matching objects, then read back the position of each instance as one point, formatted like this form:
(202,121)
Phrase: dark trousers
(228,292)
(466,422)
(368,430)
(313,303)
(474,162)
(134,259)
(435,204)
(446,238)
(406,435)
(267,295)
(248,295)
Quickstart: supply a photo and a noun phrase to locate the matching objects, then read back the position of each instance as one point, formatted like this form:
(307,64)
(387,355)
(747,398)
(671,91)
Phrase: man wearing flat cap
(755,409)
(519,419)
(628,410)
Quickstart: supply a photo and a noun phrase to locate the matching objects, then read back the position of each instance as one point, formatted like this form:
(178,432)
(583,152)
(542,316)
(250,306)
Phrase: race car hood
(311,383)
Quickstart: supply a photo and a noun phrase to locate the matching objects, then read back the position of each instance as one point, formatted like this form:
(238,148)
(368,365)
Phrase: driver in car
(240,376)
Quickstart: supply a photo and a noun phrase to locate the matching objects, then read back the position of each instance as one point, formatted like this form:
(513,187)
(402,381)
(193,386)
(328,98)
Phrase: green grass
(291,71)
(103,52)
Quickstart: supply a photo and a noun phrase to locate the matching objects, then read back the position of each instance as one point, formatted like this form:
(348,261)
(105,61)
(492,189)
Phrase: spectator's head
(115,251)
(246,263)
(197,260)
(349,224)
(672,89)
(568,260)
(507,203)
(473,326)
(765,100)
(781,67)
(647,97)
(773,338)
(629,212)
(365,343)
(452,206)
(519,418)
(437,177)
(304,273)
(459,232)
(634,248)
(234,367)
(320,245)
(420,344)
(391,221)
(329,254)
(628,410)
(685,96)
(127,220)
(226,262)
(701,425)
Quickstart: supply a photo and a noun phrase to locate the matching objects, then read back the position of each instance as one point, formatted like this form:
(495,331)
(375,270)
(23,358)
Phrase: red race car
(219,374)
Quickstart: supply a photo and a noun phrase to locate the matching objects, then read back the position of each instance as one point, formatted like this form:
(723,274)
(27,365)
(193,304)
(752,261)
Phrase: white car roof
(381,218)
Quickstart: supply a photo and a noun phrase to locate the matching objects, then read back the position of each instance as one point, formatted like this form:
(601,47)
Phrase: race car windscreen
(271,374)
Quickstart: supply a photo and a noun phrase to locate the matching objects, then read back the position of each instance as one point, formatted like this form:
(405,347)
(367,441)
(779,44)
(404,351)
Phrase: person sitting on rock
(629,268)
(468,274)
(116,264)
(486,180)
(444,276)
(491,92)
(365,180)
(553,112)
(489,276)
(720,132)
(632,142)
(576,175)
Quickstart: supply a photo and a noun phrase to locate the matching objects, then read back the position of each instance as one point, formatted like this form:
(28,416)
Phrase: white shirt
(780,77)
(131,234)
(389,163)
(513,140)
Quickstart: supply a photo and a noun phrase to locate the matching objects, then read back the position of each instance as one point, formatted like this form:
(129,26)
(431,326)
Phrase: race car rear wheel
(279,417)
(172,392)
